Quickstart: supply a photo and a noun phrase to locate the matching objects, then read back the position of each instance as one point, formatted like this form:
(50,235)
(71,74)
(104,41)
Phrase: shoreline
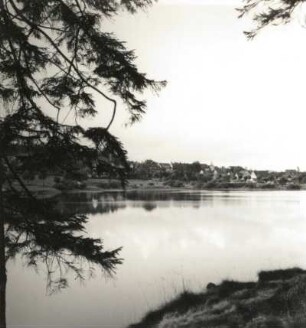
(48,190)
(277,299)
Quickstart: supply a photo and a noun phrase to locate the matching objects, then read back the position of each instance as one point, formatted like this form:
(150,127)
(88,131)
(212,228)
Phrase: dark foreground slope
(276,300)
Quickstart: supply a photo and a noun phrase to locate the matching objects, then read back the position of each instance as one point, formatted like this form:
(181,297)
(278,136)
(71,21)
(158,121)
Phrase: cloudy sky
(229,101)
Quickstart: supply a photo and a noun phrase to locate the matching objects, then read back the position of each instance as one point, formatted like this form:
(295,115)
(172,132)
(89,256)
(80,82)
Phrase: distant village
(149,174)
(212,176)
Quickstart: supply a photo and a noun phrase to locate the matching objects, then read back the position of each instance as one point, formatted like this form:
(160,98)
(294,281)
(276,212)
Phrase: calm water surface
(171,241)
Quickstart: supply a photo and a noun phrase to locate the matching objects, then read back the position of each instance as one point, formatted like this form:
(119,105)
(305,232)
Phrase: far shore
(47,188)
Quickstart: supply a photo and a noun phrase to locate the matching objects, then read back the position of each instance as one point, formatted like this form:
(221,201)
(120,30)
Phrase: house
(212,167)
(253,177)
(244,175)
(167,167)
(291,175)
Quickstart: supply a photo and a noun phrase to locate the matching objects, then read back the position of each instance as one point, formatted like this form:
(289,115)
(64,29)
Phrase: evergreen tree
(54,61)
(265,13)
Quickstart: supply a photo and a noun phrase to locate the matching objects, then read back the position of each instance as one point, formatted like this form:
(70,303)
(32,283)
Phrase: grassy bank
(276,300)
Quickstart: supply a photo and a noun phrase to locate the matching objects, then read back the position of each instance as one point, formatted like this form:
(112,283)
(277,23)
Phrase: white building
(253,177)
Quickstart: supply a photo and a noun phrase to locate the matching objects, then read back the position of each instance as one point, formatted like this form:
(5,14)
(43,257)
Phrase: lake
(171,241)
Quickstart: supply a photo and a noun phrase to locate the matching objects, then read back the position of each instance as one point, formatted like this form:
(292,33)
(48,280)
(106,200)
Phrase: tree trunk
(2,254)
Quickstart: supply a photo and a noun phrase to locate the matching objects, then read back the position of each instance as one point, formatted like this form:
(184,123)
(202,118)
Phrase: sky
(228,101)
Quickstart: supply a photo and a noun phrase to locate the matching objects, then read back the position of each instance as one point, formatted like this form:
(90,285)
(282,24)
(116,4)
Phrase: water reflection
(149,206)
(170,240)
(109,202)
(106,202)
(92,203)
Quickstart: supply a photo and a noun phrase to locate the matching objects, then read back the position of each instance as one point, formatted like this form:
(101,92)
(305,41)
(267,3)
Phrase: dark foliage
(293,186)
(279,304)
(54,58)
(37,231)
(55,62)
(265,276)
(229,287)
(265,13)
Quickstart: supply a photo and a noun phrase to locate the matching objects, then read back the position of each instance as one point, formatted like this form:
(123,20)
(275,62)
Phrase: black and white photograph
(152,164)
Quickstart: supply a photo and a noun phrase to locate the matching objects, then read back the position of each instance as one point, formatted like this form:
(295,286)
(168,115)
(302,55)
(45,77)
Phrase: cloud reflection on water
(170,240)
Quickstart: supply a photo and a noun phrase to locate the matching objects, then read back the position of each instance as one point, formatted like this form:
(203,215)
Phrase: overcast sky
(229,101)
